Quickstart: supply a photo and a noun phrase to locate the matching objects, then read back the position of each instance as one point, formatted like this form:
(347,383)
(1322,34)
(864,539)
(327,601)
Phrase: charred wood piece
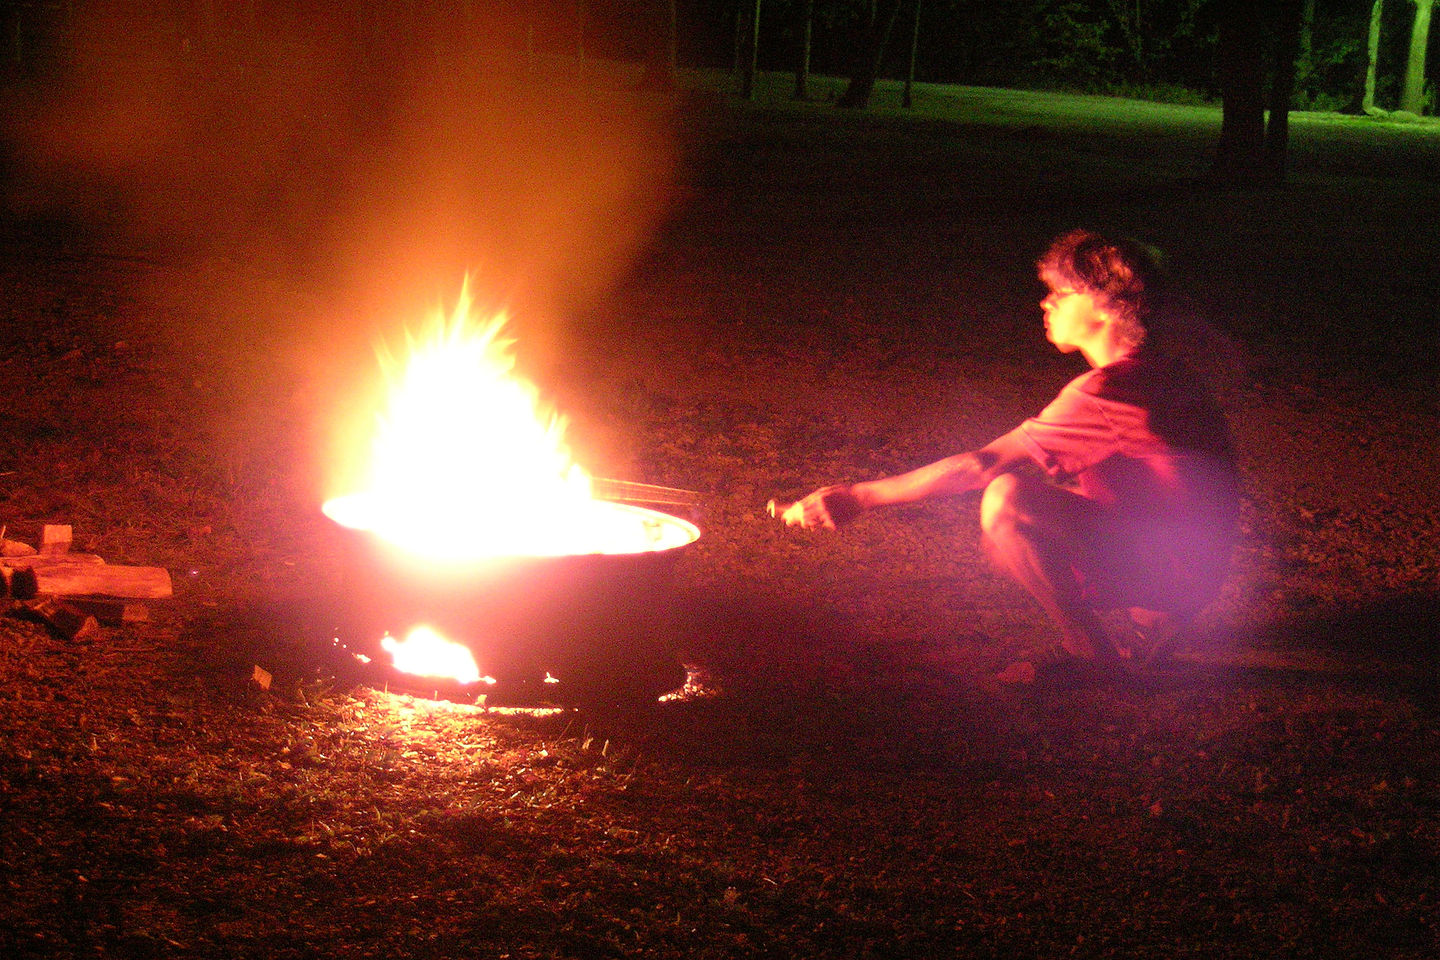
(67,621)
(55,539)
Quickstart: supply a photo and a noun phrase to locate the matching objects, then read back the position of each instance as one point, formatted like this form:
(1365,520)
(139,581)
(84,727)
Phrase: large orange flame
(465,464)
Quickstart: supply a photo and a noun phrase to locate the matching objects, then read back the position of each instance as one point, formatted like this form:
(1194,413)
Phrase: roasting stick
(607,489)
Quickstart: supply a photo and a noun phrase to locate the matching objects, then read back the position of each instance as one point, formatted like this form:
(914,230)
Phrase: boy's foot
(1058,668)
(1155,636)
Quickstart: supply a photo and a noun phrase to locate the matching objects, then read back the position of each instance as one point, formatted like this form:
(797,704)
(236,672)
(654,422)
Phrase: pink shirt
(1138,435)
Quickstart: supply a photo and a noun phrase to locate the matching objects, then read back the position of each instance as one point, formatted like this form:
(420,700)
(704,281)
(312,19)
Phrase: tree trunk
(750,48)
(806,14)
(661,53)
(1367,102)
(906,101)
(1306,61)
(207,32)
(872,56)
(1413,99)
(1240,158)
(580,15)
(1125,15)
(1288,27)
(742,29)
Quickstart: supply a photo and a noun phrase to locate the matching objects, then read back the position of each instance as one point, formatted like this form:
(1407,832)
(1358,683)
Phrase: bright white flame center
(465,464)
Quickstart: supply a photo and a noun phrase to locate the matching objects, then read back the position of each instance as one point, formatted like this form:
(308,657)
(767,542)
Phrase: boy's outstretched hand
(829,508)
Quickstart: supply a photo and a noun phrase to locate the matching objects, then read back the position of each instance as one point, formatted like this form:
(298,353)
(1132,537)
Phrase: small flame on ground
(426,653)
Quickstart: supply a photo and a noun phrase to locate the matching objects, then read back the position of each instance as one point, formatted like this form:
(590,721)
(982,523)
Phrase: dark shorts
(1173,566)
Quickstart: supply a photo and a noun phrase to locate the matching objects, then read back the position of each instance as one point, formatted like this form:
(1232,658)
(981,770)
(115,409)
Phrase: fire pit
(476,555)
(564,627)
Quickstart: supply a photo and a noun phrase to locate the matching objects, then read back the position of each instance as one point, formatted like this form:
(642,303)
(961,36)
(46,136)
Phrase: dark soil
(832,297)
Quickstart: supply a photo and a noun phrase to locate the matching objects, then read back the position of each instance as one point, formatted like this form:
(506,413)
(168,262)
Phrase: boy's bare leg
(1032,532)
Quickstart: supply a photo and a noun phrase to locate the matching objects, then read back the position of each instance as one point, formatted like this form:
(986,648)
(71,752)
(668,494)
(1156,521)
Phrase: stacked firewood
(75,593)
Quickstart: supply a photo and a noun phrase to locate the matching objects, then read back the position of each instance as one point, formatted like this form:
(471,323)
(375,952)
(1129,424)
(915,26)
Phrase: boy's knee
(998,504)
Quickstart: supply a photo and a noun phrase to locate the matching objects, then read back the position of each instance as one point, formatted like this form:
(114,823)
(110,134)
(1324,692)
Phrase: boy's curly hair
(1121,274)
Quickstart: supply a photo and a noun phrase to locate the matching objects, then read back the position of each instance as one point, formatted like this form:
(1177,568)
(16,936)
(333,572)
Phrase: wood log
(14,548)
(50,559)
(67,622)
(24,565)
(55,538)
(87,579)
(110,613)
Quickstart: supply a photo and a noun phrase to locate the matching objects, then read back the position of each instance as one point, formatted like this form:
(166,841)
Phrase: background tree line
(1165,49)
(1259,58)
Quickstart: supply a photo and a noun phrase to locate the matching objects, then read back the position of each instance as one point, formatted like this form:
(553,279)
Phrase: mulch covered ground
(833,298)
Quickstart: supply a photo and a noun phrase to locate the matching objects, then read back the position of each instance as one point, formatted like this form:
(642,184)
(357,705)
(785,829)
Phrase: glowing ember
(465,465)
(426,653)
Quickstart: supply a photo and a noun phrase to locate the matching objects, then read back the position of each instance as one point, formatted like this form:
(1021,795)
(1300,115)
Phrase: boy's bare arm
(832,506)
